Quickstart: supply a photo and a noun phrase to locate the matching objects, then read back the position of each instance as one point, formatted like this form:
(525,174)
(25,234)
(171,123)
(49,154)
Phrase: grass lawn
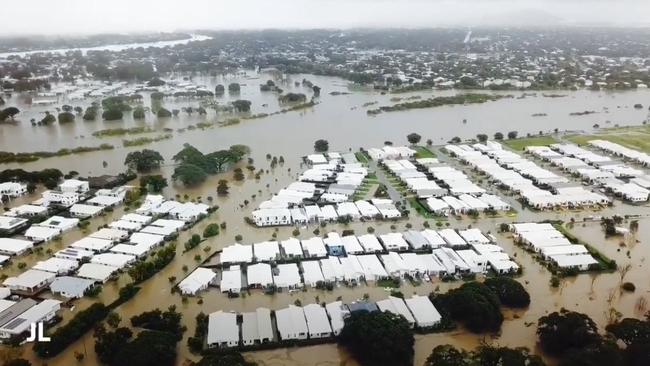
(362,157)
(419,208)
(423,152)
(521,143)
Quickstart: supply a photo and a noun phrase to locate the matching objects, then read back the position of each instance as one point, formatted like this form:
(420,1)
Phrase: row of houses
(12,189)
(323,193)
(355,259)
(306,214)
(538,187)
(97,257)
(335,245)
(621,151)
(612,175)
(17,316)
(18,218)
(312,321)
(35,234)
(545,239)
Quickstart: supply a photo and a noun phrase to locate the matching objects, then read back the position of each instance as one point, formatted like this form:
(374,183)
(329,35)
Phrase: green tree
(149,348)
(163,113)
(234,88)
(563,331)
(9,112)
(113,319)
(222,187)
(512,135)
(229,358)
(138,112)
(378,339)
(630,330)
(74,329)
(162,321)
(498,136)
(413,138)
(482,137)
(321,145)
(472,304)
(143,161)
(447,355)
(66,117)
(112,114)
(109,343)
(189,174)
(49,118)
(153,183)
(240,150)
(90,114)
(242,105)
(211,230)
(511,293)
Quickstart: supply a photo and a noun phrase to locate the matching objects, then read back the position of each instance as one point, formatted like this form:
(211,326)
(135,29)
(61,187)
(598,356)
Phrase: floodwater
(343,121)
(340,119)
(112,47)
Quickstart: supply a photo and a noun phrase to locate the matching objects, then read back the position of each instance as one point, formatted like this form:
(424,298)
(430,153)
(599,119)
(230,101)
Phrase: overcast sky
(95,16)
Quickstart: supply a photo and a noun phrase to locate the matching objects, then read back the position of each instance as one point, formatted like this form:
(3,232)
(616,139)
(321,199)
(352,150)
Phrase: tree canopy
(143,161)
(164,321)
(153,183)
(224,359)
(560,332)
(189,174)
(473,304)
(65,117)
(378,339)
(321,145)
(413,138)
(138,112)
(112,114)
(511,293)
(194,166)
(163,113)
(447,355)
(9,112)
(242,105)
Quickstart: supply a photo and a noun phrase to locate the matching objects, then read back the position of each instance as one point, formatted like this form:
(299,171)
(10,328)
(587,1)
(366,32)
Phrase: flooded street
(343,121)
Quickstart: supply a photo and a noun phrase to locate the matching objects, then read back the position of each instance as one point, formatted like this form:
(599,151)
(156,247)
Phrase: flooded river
(111,47)
(344,122)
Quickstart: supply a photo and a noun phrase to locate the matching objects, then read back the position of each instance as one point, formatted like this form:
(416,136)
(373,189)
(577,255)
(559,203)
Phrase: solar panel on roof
(14,323)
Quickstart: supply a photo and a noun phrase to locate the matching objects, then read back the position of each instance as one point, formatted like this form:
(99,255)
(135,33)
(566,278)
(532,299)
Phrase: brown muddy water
(343,121)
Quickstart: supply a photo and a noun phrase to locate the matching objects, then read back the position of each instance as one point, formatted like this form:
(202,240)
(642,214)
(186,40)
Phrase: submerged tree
(143,161)
(321,145)
(378,339)
(413,138)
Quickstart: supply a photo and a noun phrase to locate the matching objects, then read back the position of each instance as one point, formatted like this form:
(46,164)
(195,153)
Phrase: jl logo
(35,335)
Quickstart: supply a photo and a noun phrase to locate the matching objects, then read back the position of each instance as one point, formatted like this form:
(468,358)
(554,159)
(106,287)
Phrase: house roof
(397,306)
(291,320)
(317,321)
(29,278)
(196,280)
(72,286)
(10,245)
(97,272)
(222,327)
